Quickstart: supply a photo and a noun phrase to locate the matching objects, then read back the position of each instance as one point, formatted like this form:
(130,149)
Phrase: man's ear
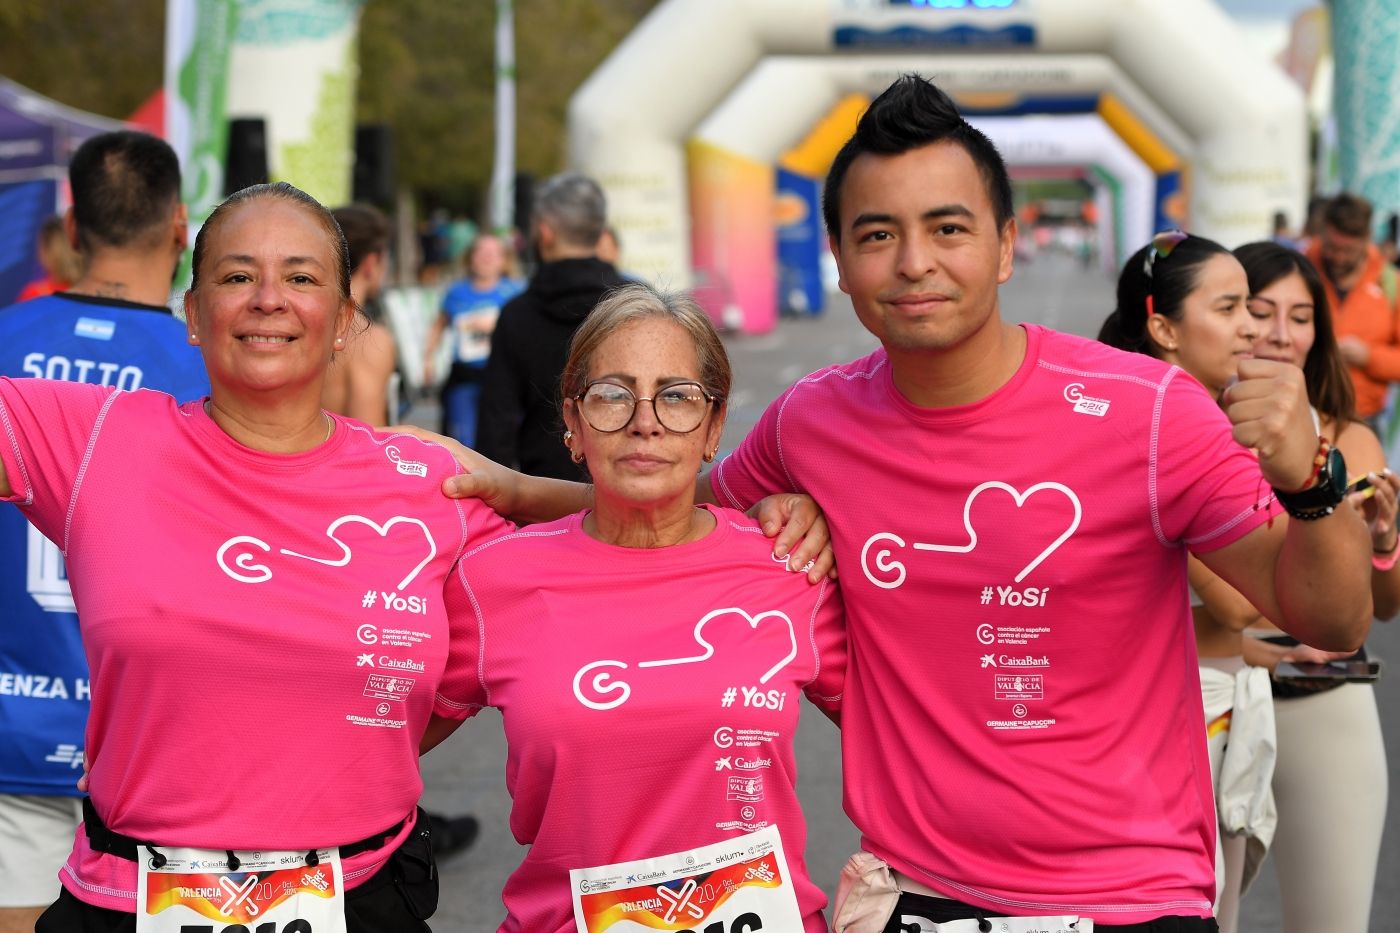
(834,245)
(180,226)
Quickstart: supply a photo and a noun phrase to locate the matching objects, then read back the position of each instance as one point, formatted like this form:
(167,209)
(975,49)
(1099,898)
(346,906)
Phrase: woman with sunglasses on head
(1330,780)
(1183,299)
(648,657)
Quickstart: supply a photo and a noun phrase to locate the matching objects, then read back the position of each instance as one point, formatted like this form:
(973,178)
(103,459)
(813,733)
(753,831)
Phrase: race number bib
(272,892)
(740,885)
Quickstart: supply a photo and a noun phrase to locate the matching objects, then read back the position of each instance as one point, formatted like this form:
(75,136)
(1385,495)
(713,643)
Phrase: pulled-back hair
(126,186)
(909,114)
(637,302)
(1173,278)
(284,192)
(1324,370)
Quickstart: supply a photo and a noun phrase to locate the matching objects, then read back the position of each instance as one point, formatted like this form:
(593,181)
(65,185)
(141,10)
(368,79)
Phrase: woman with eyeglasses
(649,657)
(1183,299)
(1330,780)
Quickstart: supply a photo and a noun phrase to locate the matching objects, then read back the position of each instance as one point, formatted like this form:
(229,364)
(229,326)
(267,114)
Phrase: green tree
(101,57)
(426,70)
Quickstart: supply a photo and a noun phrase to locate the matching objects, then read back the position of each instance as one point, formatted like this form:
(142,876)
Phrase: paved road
(466,773)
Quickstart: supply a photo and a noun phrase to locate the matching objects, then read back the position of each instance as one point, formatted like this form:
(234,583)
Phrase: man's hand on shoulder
(484,479)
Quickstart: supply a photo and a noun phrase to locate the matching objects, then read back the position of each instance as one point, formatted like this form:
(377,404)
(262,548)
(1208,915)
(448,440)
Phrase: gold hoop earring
(575,456)
(709,456)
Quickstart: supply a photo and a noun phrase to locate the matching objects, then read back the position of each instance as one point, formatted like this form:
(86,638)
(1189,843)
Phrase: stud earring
(568,436)
(194,340)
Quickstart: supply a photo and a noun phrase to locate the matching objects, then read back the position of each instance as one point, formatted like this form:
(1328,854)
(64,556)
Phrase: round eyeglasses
(680,408)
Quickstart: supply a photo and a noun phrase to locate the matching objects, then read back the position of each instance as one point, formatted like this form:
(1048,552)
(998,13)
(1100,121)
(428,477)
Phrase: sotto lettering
(40,366)
(744,923)
(1030,597)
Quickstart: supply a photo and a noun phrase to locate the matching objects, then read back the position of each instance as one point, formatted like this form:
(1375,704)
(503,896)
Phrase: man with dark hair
(361,376)
(111,327)
(1361,287)
(1011,509)
(518,422)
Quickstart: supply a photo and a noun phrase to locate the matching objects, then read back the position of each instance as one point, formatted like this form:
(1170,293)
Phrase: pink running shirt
(265,632)
(1022,728)
(664,757)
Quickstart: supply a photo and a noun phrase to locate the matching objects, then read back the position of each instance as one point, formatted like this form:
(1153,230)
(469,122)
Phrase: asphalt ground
(466,774)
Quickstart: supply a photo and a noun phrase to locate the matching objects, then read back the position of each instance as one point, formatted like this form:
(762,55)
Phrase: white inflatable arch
(749,79)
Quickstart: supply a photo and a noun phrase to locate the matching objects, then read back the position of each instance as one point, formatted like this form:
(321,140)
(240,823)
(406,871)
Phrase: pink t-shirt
(265,632)
(651,759)
(1022,729)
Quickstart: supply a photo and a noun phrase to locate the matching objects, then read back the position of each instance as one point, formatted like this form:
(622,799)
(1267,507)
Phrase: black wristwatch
(1322,498)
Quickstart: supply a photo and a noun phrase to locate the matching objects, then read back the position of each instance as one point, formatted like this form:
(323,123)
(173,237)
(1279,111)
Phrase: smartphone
(1345,670)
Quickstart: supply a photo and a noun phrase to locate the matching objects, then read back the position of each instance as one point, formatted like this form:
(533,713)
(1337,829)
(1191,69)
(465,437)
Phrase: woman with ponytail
(1183,299)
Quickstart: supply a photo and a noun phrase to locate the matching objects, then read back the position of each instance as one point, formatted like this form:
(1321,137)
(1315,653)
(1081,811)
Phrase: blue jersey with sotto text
(44,692)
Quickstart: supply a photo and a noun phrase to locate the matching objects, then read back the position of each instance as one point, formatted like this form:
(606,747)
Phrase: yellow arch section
(1148,146)
(813,156)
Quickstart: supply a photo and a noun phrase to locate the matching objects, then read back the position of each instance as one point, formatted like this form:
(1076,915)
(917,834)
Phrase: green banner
(199,38)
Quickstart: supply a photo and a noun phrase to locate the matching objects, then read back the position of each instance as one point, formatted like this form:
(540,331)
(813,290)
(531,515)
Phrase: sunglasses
(1162,246)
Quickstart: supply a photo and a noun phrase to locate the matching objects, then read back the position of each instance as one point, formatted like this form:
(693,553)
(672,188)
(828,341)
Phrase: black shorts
(401,896)
(938,910)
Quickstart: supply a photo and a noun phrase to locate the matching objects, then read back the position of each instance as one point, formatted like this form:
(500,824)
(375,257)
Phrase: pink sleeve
(1206,490)
(828,635)
(48,427)
(461,694)
(483,524)
(755,469)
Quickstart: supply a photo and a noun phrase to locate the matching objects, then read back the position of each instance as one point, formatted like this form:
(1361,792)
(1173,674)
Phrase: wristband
(1385,561)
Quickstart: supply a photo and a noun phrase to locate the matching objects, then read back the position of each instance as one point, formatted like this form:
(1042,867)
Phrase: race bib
(272,892)
(1069,924)
(741,885)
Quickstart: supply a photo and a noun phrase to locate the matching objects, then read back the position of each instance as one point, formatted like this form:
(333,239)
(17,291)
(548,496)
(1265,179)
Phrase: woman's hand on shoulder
(800,533)
(484,479)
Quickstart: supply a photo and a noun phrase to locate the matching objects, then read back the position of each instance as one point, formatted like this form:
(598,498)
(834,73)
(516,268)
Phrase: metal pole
(503,172)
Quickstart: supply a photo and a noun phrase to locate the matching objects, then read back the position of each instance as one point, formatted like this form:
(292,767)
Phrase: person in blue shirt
(111,327)
(469,310)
